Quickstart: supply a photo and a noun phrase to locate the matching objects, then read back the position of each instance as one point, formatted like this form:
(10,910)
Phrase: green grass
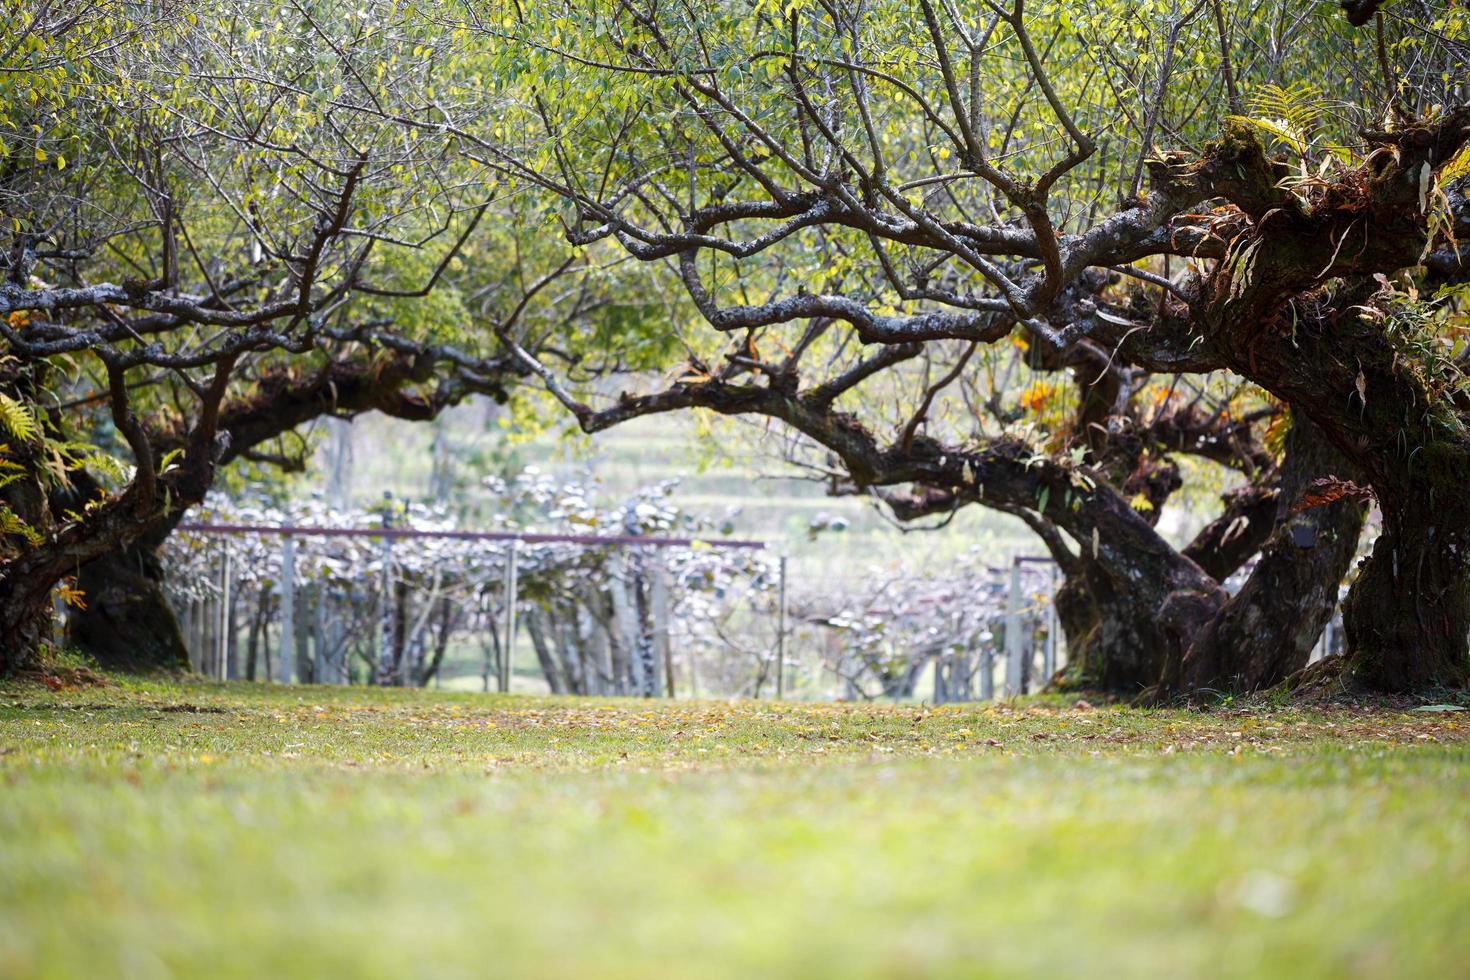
(152,830)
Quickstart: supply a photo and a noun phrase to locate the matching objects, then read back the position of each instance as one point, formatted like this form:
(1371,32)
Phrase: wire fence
(602,614)
(387,605)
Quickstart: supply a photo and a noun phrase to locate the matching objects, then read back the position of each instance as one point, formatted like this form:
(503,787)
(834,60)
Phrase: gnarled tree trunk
(1115,641)
(1130,603)
(127,623)
(1332,356)
(1266,632)
(25,624)
(1407,617)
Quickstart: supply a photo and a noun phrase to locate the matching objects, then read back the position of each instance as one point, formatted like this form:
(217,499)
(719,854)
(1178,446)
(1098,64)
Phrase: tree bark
(1117,637)
(1336,357)
(570,649)
(538,626)
(127,623)
(1266,632)
(25,625)
(1407,616)
(29,577)
(442,632)
(599,662)
(1241,530)
(1130,601)
(252,643)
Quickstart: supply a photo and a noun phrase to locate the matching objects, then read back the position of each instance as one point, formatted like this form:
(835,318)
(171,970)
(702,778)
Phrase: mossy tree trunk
(1407,617)
(127,623)
(1267,630)
(1115,641)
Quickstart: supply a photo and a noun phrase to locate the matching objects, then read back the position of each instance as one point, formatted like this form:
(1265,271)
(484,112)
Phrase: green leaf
(17,419)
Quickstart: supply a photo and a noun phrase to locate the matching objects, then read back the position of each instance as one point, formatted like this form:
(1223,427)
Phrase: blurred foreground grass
(152,830)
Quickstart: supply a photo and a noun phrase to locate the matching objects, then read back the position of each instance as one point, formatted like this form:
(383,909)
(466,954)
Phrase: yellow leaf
(71,595)
(1035,395)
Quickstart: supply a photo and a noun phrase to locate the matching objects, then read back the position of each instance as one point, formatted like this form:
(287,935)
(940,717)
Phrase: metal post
(320,673)
(288,609)
(939,692)
(198,655)
(1049,655)
(958,689)
(224,619)
(1014,647)
(663,649)
(781,628)
(58,619)
(488,621)
(385,618)
(508,646)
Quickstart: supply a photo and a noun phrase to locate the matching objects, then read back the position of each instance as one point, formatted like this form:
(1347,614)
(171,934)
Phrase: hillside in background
(756,495)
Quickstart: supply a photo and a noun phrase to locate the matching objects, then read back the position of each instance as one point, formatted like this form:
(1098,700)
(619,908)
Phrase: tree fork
(1266,632)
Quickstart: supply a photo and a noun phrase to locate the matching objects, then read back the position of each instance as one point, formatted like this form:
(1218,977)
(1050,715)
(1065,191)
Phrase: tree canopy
(1163,201)
(1033,256)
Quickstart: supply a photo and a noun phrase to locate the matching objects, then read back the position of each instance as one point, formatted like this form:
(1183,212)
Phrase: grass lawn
(152,830)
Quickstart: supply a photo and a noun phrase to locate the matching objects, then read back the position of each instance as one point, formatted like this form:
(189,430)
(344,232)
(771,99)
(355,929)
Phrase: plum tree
(864,185)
